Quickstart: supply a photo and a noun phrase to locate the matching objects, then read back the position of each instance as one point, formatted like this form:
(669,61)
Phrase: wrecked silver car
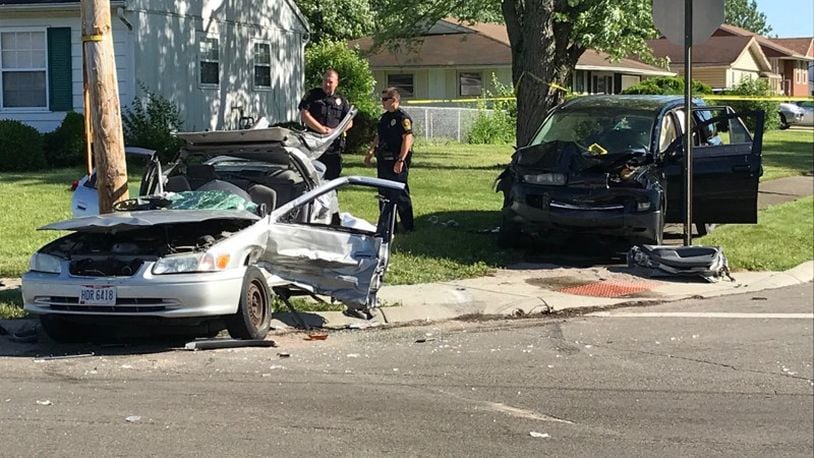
(236,216)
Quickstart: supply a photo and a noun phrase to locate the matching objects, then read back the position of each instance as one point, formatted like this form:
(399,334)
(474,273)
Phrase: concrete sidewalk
(539,289)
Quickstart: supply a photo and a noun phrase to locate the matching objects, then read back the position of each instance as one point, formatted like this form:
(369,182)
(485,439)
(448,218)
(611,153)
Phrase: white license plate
(97,295)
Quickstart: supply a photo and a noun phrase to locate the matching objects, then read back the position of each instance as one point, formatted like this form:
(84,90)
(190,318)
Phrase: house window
(403,82)
(262,65)
(23,70)
(209,60)
(470,83)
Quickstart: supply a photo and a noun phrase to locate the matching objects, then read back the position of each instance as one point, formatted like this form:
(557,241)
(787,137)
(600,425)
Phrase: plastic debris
(283,354)
(45,402)
(539,435)
(133,419)
(424,339)
(317,336)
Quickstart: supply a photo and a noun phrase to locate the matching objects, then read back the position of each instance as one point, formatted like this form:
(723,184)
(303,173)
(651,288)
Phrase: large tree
(337,19)
(547,38)
(744,13)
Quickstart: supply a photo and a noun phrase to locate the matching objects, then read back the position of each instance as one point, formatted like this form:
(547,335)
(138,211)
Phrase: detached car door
(344,261)
(726,168)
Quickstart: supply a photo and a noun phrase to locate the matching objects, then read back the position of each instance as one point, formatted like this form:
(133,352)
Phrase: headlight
(552,179)
(45,263)
(195,262)
(643,206)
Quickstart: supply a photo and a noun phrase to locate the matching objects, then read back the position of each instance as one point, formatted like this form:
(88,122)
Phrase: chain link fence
(442,123)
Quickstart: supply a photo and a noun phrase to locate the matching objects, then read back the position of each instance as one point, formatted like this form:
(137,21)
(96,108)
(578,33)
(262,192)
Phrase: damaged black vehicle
(611,166)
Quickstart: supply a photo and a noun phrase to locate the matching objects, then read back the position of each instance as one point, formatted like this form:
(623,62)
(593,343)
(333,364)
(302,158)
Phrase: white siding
(168,35)
(46,120)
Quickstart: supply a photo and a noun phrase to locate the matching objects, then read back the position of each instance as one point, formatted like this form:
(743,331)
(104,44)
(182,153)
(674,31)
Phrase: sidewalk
(529,290)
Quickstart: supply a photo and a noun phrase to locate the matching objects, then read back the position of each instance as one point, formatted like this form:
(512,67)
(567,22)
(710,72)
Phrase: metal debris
(45,402)
(54,358)
(133,419)
(539,435)
(211,344)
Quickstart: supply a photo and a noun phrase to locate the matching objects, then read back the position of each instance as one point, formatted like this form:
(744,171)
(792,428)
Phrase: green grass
(782,239)
(449,182)
(11,304)
(787,153)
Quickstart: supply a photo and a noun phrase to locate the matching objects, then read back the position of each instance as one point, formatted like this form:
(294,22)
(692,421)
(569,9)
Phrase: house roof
(717,51)
(801,45)
(451,43)
(770,46)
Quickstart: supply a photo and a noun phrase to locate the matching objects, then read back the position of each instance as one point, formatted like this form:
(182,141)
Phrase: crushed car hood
(123,221)
(568,157)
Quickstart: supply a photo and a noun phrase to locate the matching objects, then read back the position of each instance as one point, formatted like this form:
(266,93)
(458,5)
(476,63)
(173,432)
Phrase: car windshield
(189,200)
(598,132)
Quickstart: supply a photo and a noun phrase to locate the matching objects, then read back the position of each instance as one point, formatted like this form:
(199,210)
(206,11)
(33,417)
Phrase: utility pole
(103,97)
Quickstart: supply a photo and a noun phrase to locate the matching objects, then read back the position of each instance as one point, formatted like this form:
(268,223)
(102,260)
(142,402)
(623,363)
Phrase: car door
(726,168)
(341,261)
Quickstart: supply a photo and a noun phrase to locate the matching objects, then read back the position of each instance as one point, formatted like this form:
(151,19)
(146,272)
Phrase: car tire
(783,123)
(704,228)
(508,236)
(253,317)
(64,331)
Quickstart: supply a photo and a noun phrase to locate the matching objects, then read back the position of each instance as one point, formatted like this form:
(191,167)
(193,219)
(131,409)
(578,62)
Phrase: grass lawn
(456,210)
(782,238)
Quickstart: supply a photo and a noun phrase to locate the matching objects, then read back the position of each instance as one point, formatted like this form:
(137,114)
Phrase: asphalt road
(731,376)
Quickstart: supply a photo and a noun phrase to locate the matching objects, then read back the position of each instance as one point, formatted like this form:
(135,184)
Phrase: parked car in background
(791,115)
(808,112)
(234,216)
(611,166)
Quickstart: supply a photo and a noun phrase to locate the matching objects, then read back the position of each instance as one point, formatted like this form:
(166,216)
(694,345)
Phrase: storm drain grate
(609,289)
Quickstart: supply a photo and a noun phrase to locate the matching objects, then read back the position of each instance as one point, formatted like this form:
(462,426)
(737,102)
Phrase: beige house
(454,61)
(721,62)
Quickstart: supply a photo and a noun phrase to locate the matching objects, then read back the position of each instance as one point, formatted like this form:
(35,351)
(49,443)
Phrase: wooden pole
(105,110)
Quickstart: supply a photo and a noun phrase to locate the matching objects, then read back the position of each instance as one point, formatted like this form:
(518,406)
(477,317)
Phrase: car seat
(200,174)
(263,195)
(177,183)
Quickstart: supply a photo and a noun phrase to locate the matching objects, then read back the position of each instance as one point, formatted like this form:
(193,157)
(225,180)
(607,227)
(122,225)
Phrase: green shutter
(59,69)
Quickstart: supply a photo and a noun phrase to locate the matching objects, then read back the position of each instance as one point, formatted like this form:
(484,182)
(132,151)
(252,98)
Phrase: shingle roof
(716,51)
(770,47)
(34,2)
(802,45)
(486,44)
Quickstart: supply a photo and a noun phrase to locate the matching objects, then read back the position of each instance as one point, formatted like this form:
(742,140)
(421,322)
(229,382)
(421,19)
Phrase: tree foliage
(337,19)
(547,38)
(744,14)
(667,85)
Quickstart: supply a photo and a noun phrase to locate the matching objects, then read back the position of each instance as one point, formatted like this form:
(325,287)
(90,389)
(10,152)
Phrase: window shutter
(60,95)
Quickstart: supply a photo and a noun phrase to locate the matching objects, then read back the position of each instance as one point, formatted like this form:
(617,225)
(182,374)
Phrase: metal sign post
(688,122)
(699,24)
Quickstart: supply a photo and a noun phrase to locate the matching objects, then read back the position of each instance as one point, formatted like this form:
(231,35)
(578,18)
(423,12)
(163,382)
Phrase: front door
(345,261)
(726,168)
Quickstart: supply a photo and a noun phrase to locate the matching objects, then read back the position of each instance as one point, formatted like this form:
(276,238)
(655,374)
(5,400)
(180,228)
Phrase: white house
(216,59)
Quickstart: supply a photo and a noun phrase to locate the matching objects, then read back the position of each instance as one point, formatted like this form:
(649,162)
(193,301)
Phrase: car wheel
(704,228)
(508,236)
(783,123)
(64,331)
(254,313)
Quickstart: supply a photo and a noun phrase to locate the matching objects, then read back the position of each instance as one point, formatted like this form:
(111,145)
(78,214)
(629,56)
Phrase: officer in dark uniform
(321,110)
(392,147)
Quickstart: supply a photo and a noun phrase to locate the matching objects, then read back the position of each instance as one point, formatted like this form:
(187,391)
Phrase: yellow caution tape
(87,38)
(701,96)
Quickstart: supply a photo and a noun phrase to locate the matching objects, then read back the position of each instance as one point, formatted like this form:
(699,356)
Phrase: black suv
(611,165)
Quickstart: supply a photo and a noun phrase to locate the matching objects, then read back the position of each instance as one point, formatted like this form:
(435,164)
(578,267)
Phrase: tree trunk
(105,110)
(542,55)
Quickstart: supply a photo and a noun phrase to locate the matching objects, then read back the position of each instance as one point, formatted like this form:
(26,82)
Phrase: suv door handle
(741,168)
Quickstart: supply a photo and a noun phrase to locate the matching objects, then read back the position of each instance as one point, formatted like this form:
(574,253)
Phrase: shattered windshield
(189,200)
(575,140)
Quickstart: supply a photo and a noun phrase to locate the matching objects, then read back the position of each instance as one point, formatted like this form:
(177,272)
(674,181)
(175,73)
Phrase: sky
(789,18)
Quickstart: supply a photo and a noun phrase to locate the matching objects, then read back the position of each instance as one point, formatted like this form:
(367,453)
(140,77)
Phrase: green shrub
(500,125)
(755,88)
(65,146)
(356,83)
(667,85)
(21,147)
(150,122)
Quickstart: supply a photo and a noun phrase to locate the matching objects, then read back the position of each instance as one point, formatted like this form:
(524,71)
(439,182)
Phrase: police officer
(321,110)
(392,147)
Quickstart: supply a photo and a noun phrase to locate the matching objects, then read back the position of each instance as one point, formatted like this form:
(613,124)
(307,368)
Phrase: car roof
(653,103)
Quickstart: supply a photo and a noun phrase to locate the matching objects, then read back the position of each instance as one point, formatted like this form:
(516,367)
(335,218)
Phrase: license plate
(97,295)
